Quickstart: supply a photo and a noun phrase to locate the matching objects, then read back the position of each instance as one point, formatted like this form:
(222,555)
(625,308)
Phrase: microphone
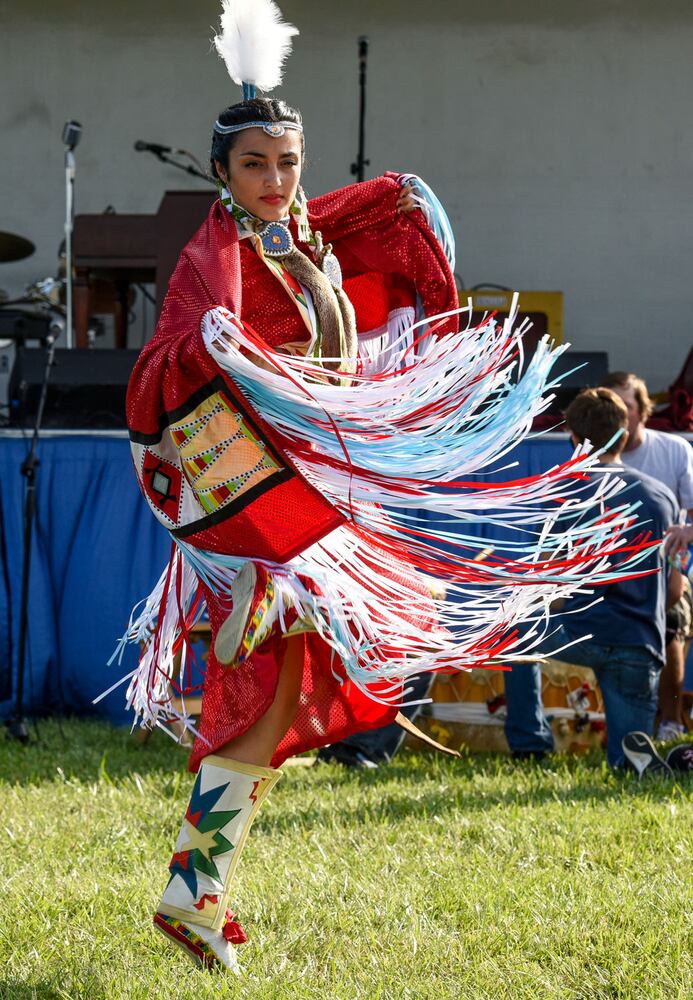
(72,132)
(153,147)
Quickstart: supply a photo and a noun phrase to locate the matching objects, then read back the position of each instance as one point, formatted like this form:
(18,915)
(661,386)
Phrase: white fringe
(426,420)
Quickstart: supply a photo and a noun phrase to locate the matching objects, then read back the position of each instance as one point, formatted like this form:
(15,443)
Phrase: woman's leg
(258,744)
(230,786)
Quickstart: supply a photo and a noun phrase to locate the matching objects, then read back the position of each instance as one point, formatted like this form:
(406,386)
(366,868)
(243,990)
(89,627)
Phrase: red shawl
(385,256)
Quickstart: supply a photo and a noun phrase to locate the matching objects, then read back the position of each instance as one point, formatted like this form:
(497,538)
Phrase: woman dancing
(306,369)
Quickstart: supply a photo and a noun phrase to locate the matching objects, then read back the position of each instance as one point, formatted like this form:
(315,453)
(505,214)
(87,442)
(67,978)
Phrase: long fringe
(435,214)
(408,438)
(159,626)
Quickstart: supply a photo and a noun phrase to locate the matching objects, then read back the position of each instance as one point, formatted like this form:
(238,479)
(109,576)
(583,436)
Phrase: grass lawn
(430,878)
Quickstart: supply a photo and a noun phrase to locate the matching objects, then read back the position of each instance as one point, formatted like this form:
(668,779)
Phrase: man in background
(669,459)
(626,644)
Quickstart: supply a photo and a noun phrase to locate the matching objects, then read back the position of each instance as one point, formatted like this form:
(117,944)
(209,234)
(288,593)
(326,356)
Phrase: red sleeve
(369,235)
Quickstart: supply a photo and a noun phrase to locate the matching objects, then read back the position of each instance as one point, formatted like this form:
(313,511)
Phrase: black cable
(4,562)
(147,295)
(16,724)
(42,543)
(186,152)
(193,171)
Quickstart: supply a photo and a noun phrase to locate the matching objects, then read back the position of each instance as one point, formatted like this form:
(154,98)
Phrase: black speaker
(86,387)
(25,324)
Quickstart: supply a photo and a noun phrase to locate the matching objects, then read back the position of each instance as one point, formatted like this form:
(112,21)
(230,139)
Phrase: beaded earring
(225,193)
(299,210)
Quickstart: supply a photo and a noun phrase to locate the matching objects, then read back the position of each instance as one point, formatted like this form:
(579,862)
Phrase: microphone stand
(358,168)
(181,166)
(69,225)
(16,724)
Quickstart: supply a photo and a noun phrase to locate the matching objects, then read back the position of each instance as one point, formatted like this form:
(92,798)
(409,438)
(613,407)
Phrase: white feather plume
(254,42)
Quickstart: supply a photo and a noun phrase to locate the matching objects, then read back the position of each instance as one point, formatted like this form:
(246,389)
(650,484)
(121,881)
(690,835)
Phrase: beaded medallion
(274,129)
(330,267)
(276,239)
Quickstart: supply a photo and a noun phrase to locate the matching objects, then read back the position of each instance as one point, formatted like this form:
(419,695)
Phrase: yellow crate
(545,309)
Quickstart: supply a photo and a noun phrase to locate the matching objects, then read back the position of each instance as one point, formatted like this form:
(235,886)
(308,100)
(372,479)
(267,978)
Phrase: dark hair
(628,380)
(595,415)
(260,109)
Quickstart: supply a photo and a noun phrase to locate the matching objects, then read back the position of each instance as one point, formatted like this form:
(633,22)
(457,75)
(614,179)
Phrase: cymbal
(14,247)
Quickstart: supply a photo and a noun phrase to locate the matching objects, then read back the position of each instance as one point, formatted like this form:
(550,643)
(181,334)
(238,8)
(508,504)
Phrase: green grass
(430,878)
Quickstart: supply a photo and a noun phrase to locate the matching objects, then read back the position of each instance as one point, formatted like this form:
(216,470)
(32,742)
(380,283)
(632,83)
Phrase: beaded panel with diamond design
(220,455)
(209,463)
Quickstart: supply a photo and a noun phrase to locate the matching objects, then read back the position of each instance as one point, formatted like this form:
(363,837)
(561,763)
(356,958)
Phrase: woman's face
(263,172)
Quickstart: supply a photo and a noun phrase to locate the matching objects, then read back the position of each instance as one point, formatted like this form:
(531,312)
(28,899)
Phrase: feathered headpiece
(254,42)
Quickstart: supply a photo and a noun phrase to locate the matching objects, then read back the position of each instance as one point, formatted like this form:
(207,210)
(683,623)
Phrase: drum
(468,710)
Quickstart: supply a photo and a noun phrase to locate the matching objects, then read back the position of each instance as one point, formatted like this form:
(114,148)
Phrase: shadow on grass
(90,751)
(595,786)
(13,989)
(86,750)
(87,989)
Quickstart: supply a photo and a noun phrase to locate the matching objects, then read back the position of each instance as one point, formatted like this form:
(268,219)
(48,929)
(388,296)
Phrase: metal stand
(358,168)
(72,132)
(16,725)
(181,166)
(69,225)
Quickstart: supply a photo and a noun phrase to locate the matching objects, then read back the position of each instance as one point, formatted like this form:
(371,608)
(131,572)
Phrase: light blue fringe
(436,216)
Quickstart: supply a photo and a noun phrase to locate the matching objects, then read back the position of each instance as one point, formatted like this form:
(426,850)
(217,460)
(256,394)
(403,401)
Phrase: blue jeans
(629,680)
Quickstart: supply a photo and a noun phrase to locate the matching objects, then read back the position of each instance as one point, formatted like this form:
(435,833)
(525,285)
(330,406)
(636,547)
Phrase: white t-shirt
(669,459)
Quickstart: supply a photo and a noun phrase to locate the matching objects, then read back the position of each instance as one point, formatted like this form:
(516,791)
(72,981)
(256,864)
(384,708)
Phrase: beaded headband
(275,129)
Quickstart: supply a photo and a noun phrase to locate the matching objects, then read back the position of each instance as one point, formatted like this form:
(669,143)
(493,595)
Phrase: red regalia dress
(240,494)
(306,497)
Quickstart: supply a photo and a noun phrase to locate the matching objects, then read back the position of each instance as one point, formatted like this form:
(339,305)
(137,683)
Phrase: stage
(97,551)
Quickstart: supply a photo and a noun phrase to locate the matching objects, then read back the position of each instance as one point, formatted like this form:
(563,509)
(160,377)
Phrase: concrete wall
(559,139)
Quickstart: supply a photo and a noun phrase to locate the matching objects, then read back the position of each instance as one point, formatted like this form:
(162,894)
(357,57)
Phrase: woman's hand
(677,539)
(407,200)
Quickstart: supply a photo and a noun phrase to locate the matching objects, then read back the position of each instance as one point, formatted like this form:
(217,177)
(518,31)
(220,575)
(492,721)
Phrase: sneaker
(680,758)
(640,753)
(669,730)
